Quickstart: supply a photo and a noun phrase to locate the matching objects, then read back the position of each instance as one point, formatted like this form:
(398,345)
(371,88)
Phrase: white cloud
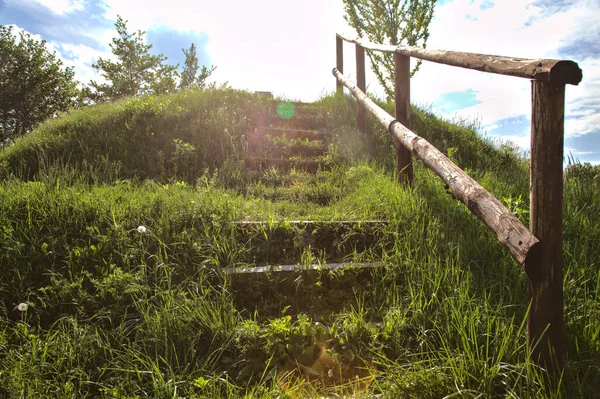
(512,28)
(522,141)
(569,150)
(283,46)
(81,58)
(16,31)
(78,56)
(287,47)
(583,102)
(59,7)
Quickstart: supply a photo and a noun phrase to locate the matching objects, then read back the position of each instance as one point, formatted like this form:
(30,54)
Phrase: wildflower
(142,229)
(21,307)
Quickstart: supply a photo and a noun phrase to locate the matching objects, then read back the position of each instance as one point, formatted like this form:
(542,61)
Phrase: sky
(288,48)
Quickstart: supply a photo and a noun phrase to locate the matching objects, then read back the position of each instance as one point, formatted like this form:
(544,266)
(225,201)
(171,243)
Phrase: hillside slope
(118,224)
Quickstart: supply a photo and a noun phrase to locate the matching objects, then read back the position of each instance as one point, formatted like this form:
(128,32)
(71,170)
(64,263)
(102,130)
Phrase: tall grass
(117,241)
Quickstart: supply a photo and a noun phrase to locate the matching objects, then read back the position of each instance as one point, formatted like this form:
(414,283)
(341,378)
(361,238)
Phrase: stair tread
(294,130)
(299,267)
(251,158)
(277,222)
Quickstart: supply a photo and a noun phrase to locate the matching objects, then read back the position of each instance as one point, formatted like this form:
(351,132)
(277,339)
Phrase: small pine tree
(395,22)
(190,77)
(136,72)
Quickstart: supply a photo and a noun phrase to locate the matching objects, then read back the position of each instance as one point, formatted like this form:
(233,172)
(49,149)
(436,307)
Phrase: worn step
(287,149)
(346,223)
(289,114)
(308,165)
(286,241)
(283,146)
(316,289)
(293,133)
(298,269)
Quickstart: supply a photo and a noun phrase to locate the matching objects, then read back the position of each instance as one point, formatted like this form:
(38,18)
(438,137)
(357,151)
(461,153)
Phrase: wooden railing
(538,250)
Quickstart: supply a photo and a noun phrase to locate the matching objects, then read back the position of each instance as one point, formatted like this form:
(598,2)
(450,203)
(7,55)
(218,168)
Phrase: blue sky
(80,32)
(287,47)
(555,29)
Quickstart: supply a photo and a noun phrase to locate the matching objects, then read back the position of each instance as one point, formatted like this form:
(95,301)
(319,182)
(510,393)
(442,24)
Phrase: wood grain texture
(545,270)
(361,115)
(339,61)
(511,233)
(554,71)
(404,167)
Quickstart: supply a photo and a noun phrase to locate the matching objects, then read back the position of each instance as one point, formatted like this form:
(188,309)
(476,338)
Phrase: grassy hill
(117,226)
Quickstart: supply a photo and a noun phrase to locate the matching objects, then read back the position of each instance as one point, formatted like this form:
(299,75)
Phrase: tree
(190,77)
(33,84)
(136,72)
(395,22)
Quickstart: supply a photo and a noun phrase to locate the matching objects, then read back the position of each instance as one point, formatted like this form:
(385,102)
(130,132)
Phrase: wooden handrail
(552,71)
(539,251)
(509,230)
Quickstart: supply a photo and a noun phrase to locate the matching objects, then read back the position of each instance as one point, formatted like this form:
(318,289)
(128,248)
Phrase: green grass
(119,311)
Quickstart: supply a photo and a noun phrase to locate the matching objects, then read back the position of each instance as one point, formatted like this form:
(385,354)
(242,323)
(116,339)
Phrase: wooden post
(404,167)
(339,51)
(361,115)
(544,266)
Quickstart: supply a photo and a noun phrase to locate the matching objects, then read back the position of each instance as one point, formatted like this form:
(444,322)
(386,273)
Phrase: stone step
(286,241)
(292,133)
(240,224)
(316,289)
(296,269)
(308,165)
(300,115)
(285,148)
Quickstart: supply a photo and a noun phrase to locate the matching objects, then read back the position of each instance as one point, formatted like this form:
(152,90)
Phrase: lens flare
(286,110)
(326,374)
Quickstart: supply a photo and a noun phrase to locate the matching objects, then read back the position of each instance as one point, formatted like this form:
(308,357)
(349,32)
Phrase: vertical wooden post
(404,166)
(545,325)
(339,53)
(361,114)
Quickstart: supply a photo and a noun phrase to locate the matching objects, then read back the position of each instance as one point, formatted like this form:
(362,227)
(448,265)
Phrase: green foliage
(518,207)
(135,137)
(126,291)
(136,72)
(190,78)
(33,84)
(585,173)
(395,22)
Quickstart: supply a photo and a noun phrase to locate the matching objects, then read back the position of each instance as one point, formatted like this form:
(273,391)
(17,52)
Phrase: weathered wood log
(545,325)
(361,115)
(404,167)
(339,58)
(511,233)
(553,71)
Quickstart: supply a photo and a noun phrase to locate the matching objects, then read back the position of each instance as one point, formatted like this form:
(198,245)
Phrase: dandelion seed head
(142,229)
(22,307)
